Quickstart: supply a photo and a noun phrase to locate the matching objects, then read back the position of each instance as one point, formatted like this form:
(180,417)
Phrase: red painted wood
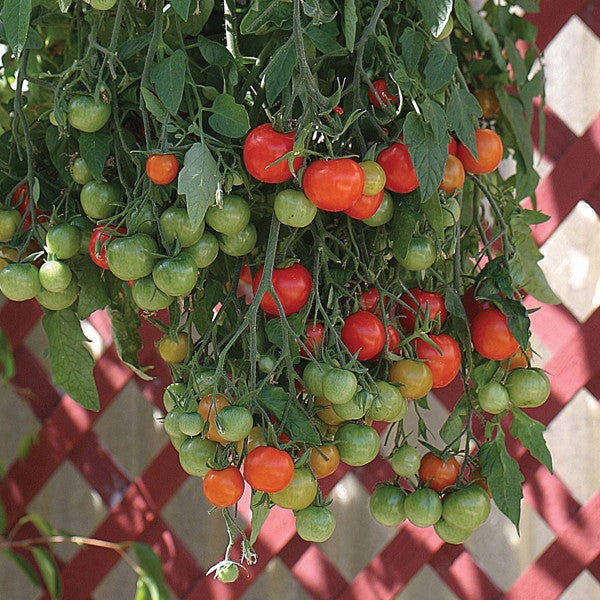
(552,17)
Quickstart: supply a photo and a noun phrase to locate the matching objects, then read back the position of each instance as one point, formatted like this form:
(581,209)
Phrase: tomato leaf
(512,109)
(461,10)
(503,476)
(275,329)
(296,423)
(279,71)
(433,211)
(323,38)
(452,429)
(168,77)
(94,149)
(260,508)
(530,6)
(460,323)
(264,15)
(92,293)
(350,19)
(133,46)
(71,364)
(436,14)
(214,53)
(405,219)
(428,156)
(198,181)
(7,361)
(531,434)
(462,113)
(412,43)
(440,68)
(487,38)
(15,17)
(25,566)
(484,372)
(182,8)
(49,570)
(229,118)
(152,567)
(154,105)
(516,61)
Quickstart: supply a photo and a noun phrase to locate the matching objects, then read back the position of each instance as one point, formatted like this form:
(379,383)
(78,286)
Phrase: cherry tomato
(324,460)
(63,240)
(162,168)
(491,335)
(264,146)
(58,300)
(444,367)
(194,455)
(387,505)
(437,473)
(358,444)
(55,275)
(205,250)
(148,297)
(335,184)
(472,306)
(421,253)
(365,332)
(314,338)
(388,404)
(176,276)
(315,523)
(406,461)
(87,114)
(489,152)
(326,413)
(293,208)
(234,422)
(99,199)
(365,207)
(400,174)
(414,376)
(450,534)
(20,201)
(490,105)
(339,385)
(223,487)
(208,406)
(452,146)
(383,214)
(292,286)
(268,469)
(528,388)
(172,351)
(20,281)
(132,256)
(9,221)
(239,243)
(369,300)
(374,177)
(380,97)
(467,508)
(394,340)
(423,507)
(419,300)
(229,218)
(493,397)
(98,243)
(175,224)
(80,172)
(299,493)
(454,175)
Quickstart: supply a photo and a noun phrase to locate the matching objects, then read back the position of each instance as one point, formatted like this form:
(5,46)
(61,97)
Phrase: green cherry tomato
(421,254)
(384,213)
(450,534)
(148,297)
(356,407)
(195,453)
(358,444)
(85,227)
(176,224)
(374,177)
(58,300)
(240,243)
(99,199)
(174,395)
(132,256)
(339,385)
(313,377)
(387,505)
(20,281)
(315,523)
(423,507)
(55,276)
(293,208)
(141,220)
(63,240)
(528,388)
(231,217)
(467,508)
(9,221)
(388,404)
(176,276)
(86,114)
(450,212)
(80,172)
(234,422)
(406,461)
(205,250)
(299,493)
(191,423)
(493,397)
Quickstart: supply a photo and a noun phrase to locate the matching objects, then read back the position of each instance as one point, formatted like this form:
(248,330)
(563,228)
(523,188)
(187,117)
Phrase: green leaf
(64,5)
(412,43)
(434,114)
(428,156)
(154,105)
(531,434)
(512,109)
(440,68)
(168,77)
(132,46)
(452,429)
(182,8)
(433,211)
(259,506)
(266,15)
(460,323)
(296,423)
(229,118)
(461,10)
(152,567)
(15,17)
(279,71)
(484,372)
(7,360)
(405,219)
(516,61)
(503,476)
(530,6)
(350,19)
(461,113)
(71,364)
(93,295)
(198,181)
(142,591)
(23,565)
(214,53)
(94,149)
(275,329)
(323,38)
(49,570)
(436,14)
(487,38)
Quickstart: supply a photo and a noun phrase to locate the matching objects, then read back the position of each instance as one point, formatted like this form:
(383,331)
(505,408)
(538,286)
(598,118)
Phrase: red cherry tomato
(394,340)
(363,330)
(399,170)
(369,300)
(423,299)
(444,367)
(452,146)
(314,338)
(365,206)
(162,168)
(268,469)
(473,307)
(333,185)
(292,285)
(380,99)
(20,201)
(489,152)
(491,335)
(454,175)
(438,473)
(223,487)
(98,242)
(264,146)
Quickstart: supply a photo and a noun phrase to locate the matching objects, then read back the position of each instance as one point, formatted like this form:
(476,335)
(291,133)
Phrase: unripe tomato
(374,177)
(400,174)
(299,493)
(87,114)
(172,351)
(20,281)
(324,460)
(294,209)
(414,376)
(528,388)
(383,214)
(489,152)
(490,105)
(162,168)
(58,300)
(209,406)
(423,507)
(387,505)
(315,523)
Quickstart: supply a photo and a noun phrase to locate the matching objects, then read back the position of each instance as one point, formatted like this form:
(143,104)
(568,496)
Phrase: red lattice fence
(134,505)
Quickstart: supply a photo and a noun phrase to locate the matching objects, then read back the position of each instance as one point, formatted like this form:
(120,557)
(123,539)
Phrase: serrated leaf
(131,47)
(436,14)
(94,149)
(503,476)
(433,211)
(168,77)
(323,37)
(23,565)
(531,434)
(350,19)
(452,428)
(265,15)
(434,114)
(406,216)
(93,294)
(152,567)
(461,113)
(154,105)
(49,570)
(412,43)
(214,53)
(427,155)
(15,17)
(487,38)
(7,361)
(484,372)
(461,10)
(440,68)
(259,505)
(198,181)
(229,118)
(279,71)
(182,8)
(71,364)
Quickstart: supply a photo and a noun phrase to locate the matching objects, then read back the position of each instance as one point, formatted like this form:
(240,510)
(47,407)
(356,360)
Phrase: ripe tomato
(314,338)
(400,174)
(223,487)
(268,469)
(490,105)
(194,455)
(299,493)
(380,97)
(292,286)
(324,460)
(467,508)
(315,523)
(208,406)
(87,114)
(172,351)
(417,301)
(394,340)
(472,306)
(365,332)
(414,376)
(162,168)
(264,146)
(528,388)
(335,184)
(387,505)
(99,241)
(452,146)
(491,336)
(20,281)
(444,367)
(365,207)
(437,473)
(489,152)
(132,256)
(454,175)
(423,507)
(358,444)
(20,201)
(231,217)
(519,359)
(369,300)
